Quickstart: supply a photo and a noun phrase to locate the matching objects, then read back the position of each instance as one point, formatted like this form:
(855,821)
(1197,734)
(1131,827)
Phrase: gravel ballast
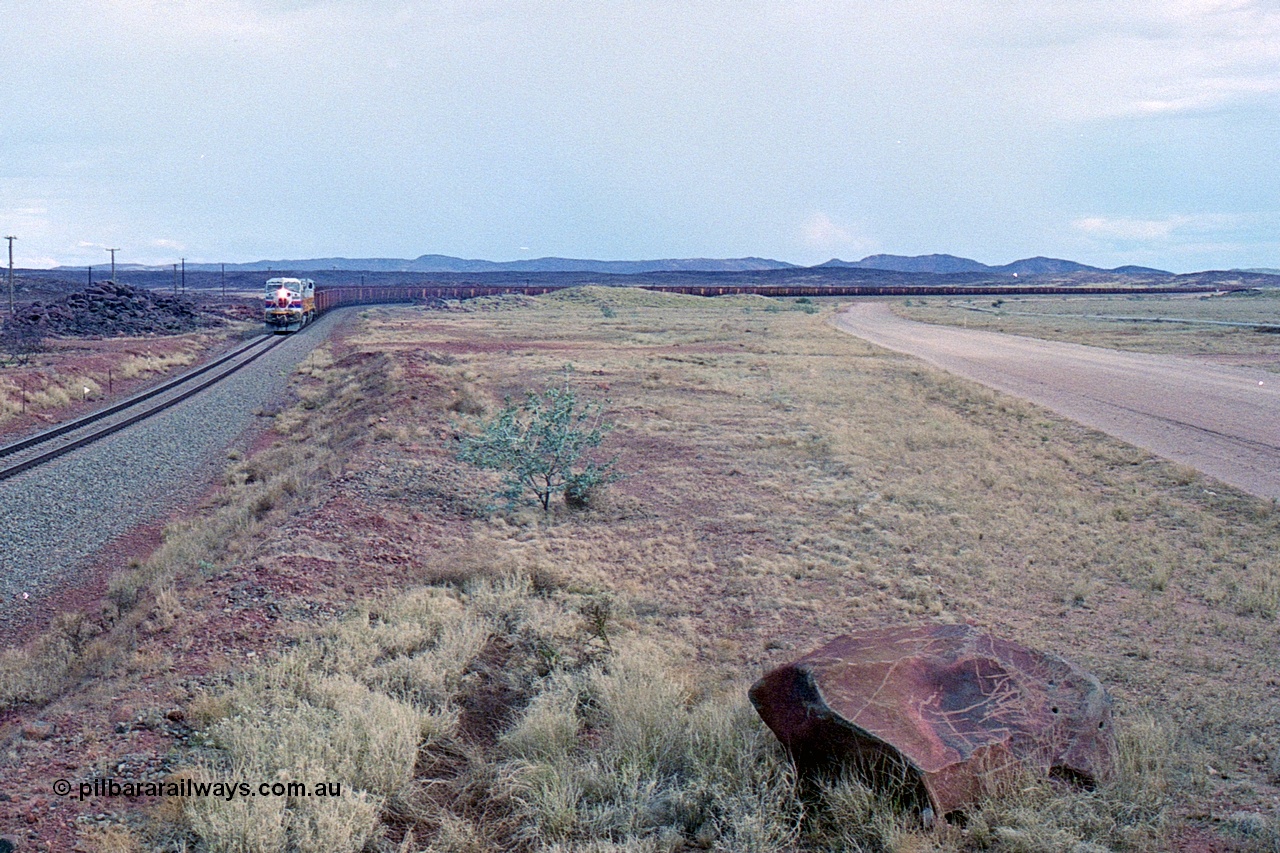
(58,515)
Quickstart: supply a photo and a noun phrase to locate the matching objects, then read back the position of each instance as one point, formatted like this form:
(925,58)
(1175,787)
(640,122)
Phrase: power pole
(113,264)
(184,275)
(11,310)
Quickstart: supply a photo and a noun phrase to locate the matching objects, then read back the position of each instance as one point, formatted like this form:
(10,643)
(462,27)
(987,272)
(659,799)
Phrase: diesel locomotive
(290,303)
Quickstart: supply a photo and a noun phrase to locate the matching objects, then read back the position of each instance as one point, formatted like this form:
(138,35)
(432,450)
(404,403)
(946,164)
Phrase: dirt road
(1224,421)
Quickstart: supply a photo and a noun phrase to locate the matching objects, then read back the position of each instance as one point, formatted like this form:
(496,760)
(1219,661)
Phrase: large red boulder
(940,712)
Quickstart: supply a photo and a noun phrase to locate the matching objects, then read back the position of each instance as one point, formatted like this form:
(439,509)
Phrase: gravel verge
(57,516)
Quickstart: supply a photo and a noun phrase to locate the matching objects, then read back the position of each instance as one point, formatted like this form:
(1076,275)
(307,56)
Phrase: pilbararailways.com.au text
(194,788)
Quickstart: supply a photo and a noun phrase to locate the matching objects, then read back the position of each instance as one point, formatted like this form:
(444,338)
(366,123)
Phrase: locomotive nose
(282,298)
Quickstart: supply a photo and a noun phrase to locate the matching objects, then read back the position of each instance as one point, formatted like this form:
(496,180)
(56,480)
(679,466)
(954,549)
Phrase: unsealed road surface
(1224,421)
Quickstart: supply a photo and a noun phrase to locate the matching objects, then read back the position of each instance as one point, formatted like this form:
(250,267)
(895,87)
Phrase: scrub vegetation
(62,374)
(540,447)
(1116,321)
(575,680)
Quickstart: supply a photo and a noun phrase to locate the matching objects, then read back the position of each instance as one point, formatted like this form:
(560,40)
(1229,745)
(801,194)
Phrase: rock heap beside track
(108,309)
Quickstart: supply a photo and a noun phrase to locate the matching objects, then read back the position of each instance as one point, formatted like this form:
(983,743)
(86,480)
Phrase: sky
(1104,131)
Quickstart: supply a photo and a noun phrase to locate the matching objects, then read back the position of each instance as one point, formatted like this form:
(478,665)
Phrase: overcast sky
(1105,131)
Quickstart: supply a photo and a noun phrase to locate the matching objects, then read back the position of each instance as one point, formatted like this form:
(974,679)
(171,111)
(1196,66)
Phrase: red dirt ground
(125,726)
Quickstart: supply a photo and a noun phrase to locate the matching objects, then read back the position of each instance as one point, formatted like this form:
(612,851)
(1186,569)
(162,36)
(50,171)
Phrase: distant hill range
(935,264)
(945,264)
(447,264)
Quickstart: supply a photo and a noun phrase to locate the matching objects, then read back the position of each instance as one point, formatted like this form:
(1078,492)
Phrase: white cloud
(820,232)
(28,225)
(1178,229)
(626,129)
(1182,242)
(1129,229)
(1129,59)
(35,262)
(197,19)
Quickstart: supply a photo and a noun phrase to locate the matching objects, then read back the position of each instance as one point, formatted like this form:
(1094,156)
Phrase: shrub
(539,446)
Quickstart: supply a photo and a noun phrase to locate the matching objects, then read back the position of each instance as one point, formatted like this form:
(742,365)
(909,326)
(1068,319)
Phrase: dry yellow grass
(1082,319)
(57,379)
(143,595)
(147,363)
(576,682)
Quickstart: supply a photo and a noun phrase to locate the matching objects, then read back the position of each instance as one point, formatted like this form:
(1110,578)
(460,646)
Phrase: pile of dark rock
(107,309)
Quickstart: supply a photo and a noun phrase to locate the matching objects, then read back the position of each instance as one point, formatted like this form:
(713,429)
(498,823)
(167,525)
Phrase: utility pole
(184,275)
(91,275)
(11,311)
(113,264)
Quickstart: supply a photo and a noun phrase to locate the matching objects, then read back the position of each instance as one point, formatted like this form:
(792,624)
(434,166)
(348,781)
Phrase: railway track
(43,446)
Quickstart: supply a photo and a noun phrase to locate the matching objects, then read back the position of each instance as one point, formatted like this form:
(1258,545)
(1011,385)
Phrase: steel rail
(63,429)
(263,345)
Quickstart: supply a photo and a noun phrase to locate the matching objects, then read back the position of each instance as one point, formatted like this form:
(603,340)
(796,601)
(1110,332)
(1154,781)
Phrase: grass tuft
(577,681)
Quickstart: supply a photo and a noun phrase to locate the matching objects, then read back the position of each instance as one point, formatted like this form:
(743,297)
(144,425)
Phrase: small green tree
(539,447)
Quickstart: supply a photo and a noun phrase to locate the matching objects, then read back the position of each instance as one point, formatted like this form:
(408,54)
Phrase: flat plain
(1221,419)
(348,606)
(1115,321)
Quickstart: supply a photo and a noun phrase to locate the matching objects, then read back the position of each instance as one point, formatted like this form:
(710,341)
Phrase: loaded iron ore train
(290,303)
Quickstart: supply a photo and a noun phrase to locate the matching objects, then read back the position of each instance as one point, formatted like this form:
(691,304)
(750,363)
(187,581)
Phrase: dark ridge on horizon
(53,282)
(448,264)
(937,264)
(946,264)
